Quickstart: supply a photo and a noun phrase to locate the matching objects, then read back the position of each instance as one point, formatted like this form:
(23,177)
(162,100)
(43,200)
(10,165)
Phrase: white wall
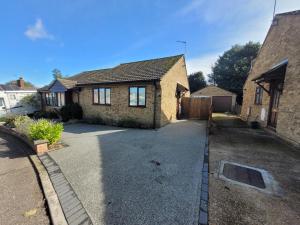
(12,102)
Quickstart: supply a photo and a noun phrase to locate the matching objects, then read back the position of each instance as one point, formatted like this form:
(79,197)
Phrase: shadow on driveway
(235,204)
(135,176)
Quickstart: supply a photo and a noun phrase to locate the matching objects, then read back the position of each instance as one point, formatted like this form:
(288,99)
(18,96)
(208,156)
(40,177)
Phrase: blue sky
(75,35)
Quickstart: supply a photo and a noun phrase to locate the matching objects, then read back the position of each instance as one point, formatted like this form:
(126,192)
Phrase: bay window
(55,99)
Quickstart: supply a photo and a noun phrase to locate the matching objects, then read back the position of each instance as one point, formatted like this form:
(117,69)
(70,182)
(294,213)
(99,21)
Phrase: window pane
(133,96)
(107,95)
(102,95)
(62,99)
(1,102)
(96,100)
(58,99)
(142,96)
(54,95)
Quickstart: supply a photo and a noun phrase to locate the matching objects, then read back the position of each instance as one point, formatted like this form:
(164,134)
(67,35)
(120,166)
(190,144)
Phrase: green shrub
(66,113)
(9,120)
(22,124)
(76,111)
(45,114)
(71,111)
(46,130)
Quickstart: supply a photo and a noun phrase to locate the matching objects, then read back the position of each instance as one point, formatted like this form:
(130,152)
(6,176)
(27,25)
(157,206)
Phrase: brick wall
(119,109)
(177,74)
(281,42)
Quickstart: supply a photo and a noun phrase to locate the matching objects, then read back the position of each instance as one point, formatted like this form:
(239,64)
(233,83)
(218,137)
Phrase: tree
(57,74)
(31,100)
(231,69)
(196,81)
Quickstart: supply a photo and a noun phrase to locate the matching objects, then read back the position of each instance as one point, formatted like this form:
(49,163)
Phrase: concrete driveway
(134,176)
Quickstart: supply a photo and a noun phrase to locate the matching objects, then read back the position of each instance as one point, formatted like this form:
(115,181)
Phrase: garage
(222,100)
(221,103)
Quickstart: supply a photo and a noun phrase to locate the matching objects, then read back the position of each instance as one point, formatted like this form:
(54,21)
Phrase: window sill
(137,106)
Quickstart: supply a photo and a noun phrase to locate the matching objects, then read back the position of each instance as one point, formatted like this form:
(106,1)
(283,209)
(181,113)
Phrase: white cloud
(38,31)
(202,63)
(190,7)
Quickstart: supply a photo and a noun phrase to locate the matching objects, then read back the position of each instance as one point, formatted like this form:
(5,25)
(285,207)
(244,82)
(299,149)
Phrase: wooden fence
(196,108)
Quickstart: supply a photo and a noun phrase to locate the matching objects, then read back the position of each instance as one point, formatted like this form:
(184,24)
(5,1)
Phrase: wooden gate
(196,108)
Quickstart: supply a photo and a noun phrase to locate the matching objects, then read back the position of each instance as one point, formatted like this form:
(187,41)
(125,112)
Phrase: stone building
(222,100)
(147,92)
(272,90)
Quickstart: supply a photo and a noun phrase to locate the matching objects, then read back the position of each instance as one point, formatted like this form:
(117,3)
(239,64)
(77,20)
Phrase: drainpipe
(154,107)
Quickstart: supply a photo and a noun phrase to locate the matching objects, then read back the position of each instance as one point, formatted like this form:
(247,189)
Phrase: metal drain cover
(248,176)
(244,175)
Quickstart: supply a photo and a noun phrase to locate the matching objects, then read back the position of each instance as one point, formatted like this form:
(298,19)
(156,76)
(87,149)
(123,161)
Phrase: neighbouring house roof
(212,90)
(146,70)
(14,87)
(295,12)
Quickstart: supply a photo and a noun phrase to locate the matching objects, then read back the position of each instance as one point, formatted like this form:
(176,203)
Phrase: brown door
(274,104)
(221,103)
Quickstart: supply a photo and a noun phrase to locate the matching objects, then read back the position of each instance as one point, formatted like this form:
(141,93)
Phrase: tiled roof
(296,12)
(67,83)
(14,87)
(146,70)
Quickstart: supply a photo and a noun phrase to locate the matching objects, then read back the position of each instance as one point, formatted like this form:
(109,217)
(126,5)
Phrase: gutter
(117,82)
(154,107)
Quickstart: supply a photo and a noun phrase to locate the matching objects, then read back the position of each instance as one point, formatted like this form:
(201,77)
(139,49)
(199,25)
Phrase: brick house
(272,90)
(147,92)
(222,100)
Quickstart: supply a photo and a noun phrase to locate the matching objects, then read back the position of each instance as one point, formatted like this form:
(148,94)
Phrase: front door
(274,104)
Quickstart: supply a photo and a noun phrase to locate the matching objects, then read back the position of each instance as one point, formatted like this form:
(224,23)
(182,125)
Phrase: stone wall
(177,74)
(282,42)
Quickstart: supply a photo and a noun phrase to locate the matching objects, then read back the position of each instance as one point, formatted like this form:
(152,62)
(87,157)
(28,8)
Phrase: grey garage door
(221,103)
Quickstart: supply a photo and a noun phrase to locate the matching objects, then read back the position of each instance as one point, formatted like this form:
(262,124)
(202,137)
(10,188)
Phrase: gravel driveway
(134,176)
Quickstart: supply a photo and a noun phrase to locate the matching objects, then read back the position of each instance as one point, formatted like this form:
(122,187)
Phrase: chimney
(20,82)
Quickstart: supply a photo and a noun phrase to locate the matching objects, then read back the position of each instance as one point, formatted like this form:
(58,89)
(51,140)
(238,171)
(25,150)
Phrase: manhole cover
(249,176)
(244,175)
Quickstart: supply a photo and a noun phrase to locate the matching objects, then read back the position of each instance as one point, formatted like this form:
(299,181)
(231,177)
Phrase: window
(137,96)
(55,99)
(258,96)
(101,96)
(2,103)
(12,97)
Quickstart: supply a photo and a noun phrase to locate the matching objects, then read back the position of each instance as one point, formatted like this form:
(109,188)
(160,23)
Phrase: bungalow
(147,92)
(272,90)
